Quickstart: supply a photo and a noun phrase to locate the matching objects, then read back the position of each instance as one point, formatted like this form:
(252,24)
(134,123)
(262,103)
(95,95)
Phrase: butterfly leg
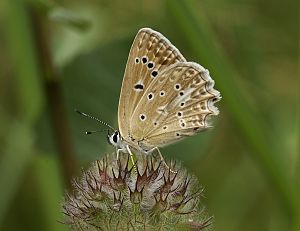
(127,150)
(161,158)
(131,155)
(118,152)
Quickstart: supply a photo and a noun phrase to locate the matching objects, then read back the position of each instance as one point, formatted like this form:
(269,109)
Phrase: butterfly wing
(181,102)
(149,55)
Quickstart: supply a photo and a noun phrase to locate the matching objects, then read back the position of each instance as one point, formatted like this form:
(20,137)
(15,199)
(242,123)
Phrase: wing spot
(155,123)
(154,73)
(142,117)
(145,59)
(139,87)
(162,93)
(137,60)
(165,127)
(150,96)
(179,114)
(177,134)
(177,86)
(150,65)
(181,93)
(182,104)
(182,125)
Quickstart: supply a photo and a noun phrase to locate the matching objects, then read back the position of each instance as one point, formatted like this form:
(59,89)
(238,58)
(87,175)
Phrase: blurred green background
(59,55)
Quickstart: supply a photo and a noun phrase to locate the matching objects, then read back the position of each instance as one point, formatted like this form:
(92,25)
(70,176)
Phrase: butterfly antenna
(94,118)
(92,132)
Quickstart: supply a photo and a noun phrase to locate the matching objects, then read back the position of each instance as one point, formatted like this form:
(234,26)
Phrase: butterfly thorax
(120,143)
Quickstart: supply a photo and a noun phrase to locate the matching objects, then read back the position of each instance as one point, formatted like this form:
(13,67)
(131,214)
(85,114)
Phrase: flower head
(112,195)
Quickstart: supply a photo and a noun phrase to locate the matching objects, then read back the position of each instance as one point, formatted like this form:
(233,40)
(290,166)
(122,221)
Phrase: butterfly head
(116,140)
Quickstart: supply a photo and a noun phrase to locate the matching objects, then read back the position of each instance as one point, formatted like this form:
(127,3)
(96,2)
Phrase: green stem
(54,95)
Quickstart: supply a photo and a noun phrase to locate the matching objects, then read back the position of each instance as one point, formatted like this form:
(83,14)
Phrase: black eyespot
(150,96)
(155,123)
(182,104)
(150,65)
(181,93)
(179,114)
(162,93)
(177,86)
(137,60)
(177,134)
(165,127)
(142,117)
(139,86)
(144,59)
(183,125)
(215,99)
(154,73)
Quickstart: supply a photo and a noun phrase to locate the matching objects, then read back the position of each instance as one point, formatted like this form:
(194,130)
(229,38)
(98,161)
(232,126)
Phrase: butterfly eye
(115,137)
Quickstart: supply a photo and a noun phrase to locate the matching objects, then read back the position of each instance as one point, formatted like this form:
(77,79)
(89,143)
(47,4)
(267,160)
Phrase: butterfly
(163,98)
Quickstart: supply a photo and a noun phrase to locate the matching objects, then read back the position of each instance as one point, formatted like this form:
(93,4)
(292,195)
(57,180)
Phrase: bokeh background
(59,55)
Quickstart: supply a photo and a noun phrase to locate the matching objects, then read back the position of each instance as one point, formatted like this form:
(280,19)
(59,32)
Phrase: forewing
(150,54)
(178,103)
